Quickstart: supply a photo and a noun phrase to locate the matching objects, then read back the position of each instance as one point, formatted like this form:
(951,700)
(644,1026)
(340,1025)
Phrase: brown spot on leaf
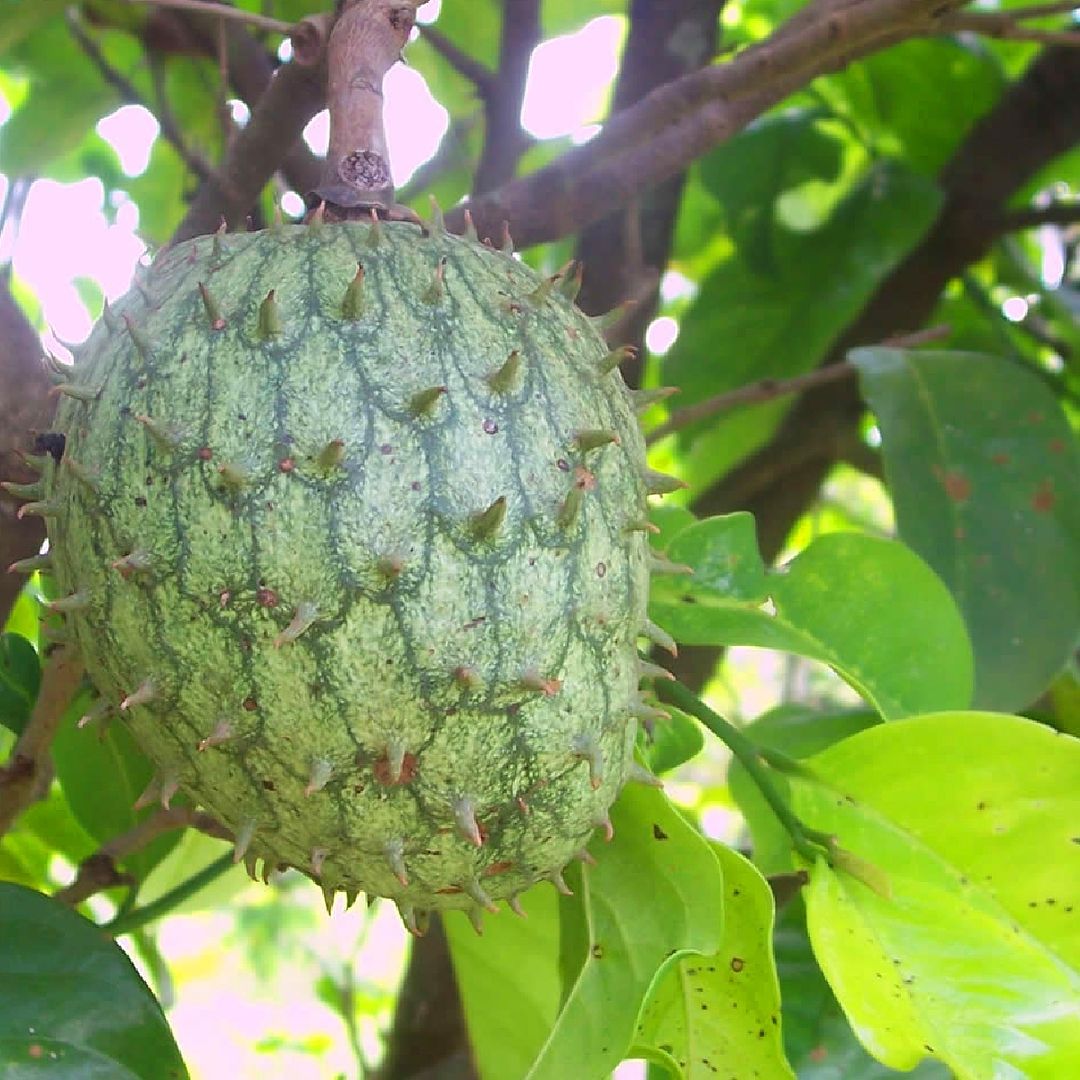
(957,486)
(597,952)
(1044,499)
(737,963)
(658,833)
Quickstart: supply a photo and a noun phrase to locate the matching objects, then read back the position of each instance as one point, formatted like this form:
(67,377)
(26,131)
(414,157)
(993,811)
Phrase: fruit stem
(811,844)
(127,921)
(365,43)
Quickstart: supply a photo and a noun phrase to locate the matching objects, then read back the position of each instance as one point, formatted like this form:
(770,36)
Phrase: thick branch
(24,407)
(675,124)
(28,771)
(504,139)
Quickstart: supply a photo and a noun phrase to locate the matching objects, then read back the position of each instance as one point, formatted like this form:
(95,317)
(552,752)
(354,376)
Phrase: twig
(1058,213)
(128,93)
(221,11)
(28,771)
(100,872)
(480,75)
(139,917)
(992,24)
(768,389)
(809,843)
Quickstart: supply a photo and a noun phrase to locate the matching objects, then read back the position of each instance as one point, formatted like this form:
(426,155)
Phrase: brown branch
(1058,213)
(27,774)
(128,94)
(625,252)
(1006,27)
(504,139)
(24,407)
(770,389)
(221,11)
(681,121)
(100,870)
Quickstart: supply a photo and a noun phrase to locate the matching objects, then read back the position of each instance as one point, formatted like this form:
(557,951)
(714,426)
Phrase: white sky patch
(429,12)
(569,79)
(675,286)
(292,204)
(1015,309)
(661,335)
(239,112)
(415,123)
(130,131)
(64,235)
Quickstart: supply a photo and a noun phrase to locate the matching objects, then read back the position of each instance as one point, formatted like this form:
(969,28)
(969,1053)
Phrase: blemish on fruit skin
(957,486)
(490,427)
(250,704)
(1057,446)
(1000,459)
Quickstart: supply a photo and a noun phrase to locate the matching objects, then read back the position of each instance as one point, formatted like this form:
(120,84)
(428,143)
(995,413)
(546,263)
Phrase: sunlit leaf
(965,945)
(720,1014)
(868,607)
(578,970)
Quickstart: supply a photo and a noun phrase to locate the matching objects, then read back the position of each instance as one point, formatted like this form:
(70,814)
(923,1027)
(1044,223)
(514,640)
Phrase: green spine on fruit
(355,565)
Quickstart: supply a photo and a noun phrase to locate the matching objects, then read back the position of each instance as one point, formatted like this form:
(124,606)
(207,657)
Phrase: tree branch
(677,123)
(28,771)
(1057,213)
(504,138)
(467,66)
(99,871)
(221,11)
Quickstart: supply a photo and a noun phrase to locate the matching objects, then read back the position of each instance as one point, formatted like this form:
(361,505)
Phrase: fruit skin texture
(350,554)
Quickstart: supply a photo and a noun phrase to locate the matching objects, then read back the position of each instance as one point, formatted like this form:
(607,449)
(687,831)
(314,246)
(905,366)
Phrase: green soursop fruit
(350,524)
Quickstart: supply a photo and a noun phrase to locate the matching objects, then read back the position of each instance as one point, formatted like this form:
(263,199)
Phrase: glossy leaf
(817,1036)
(720,1014)
(579,969)
(985,475)
(71,1005)
(20,677)
(868,607)
(674,742)
(102,774)
(745,325)
(956,937)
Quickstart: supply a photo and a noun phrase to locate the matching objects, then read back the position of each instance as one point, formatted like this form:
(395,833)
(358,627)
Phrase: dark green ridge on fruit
(360,554)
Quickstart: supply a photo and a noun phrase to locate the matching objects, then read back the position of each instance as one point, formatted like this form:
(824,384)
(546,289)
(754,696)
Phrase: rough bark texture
(1037,119)
(24,407)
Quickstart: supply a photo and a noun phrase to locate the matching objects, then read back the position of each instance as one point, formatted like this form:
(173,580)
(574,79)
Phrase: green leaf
(720,1014)
(969,953)
(578,969)
(20,677)
(817,1036)
(746,325)
(868,607)
(71,1005)
(748,175)
(674,741)
(19,18)
(985,475)
(84,760)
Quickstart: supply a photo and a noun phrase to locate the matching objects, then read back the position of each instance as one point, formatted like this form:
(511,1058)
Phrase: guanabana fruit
(350,525)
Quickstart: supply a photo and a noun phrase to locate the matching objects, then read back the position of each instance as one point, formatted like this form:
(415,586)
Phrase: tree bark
(24,408)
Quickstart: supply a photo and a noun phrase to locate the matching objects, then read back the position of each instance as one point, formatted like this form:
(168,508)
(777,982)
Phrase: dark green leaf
(868,607)
(20,677)
(985,475)
(18,18)
(674,742)
(71,1005)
